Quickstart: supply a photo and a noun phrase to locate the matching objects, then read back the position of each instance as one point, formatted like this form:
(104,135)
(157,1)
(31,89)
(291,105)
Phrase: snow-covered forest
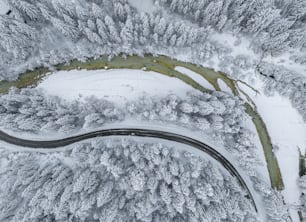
(118,180)
(50,32)
(125,180)
(218,114)
(302,184)
(31,110)
(45,33)
(275,26)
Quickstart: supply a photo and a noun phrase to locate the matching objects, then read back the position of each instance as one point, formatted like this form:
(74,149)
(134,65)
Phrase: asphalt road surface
(53,144)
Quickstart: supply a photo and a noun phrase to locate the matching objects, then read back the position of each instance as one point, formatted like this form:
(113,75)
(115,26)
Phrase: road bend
(53,144)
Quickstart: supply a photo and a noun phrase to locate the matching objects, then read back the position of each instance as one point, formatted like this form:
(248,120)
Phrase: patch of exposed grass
(272,164)
(27,79)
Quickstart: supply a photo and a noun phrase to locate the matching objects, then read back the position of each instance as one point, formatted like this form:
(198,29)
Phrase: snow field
(119,86)
(195,76)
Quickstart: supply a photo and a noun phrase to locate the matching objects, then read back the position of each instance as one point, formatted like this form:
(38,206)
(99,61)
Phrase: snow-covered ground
(143,5)
(195,76)
(239,46)
(116,85)
(224,87)
(285,125)
(287,130)
(284,60)
(3,7)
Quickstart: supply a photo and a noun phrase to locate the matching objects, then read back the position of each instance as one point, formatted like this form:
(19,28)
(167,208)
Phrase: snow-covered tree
(42,185)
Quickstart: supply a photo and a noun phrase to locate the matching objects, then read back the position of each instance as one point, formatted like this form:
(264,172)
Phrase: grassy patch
(27,79)
(272,164)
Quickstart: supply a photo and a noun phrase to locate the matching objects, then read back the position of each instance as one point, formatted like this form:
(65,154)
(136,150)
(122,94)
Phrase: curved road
(52,144)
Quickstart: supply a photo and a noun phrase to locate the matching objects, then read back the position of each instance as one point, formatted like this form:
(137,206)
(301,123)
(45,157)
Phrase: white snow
(284,60)
(195,76)
(224,87)
(143,5)
(3,7)
(239,46)
(3,163)
(287,130)
(117,85)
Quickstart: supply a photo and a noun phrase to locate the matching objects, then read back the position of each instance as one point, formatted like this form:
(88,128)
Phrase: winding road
(53,144)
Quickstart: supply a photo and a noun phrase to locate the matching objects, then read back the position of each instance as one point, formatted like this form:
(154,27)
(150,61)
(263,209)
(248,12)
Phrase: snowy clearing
(287,131)
(195,76)
(143,5)
(118,86)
